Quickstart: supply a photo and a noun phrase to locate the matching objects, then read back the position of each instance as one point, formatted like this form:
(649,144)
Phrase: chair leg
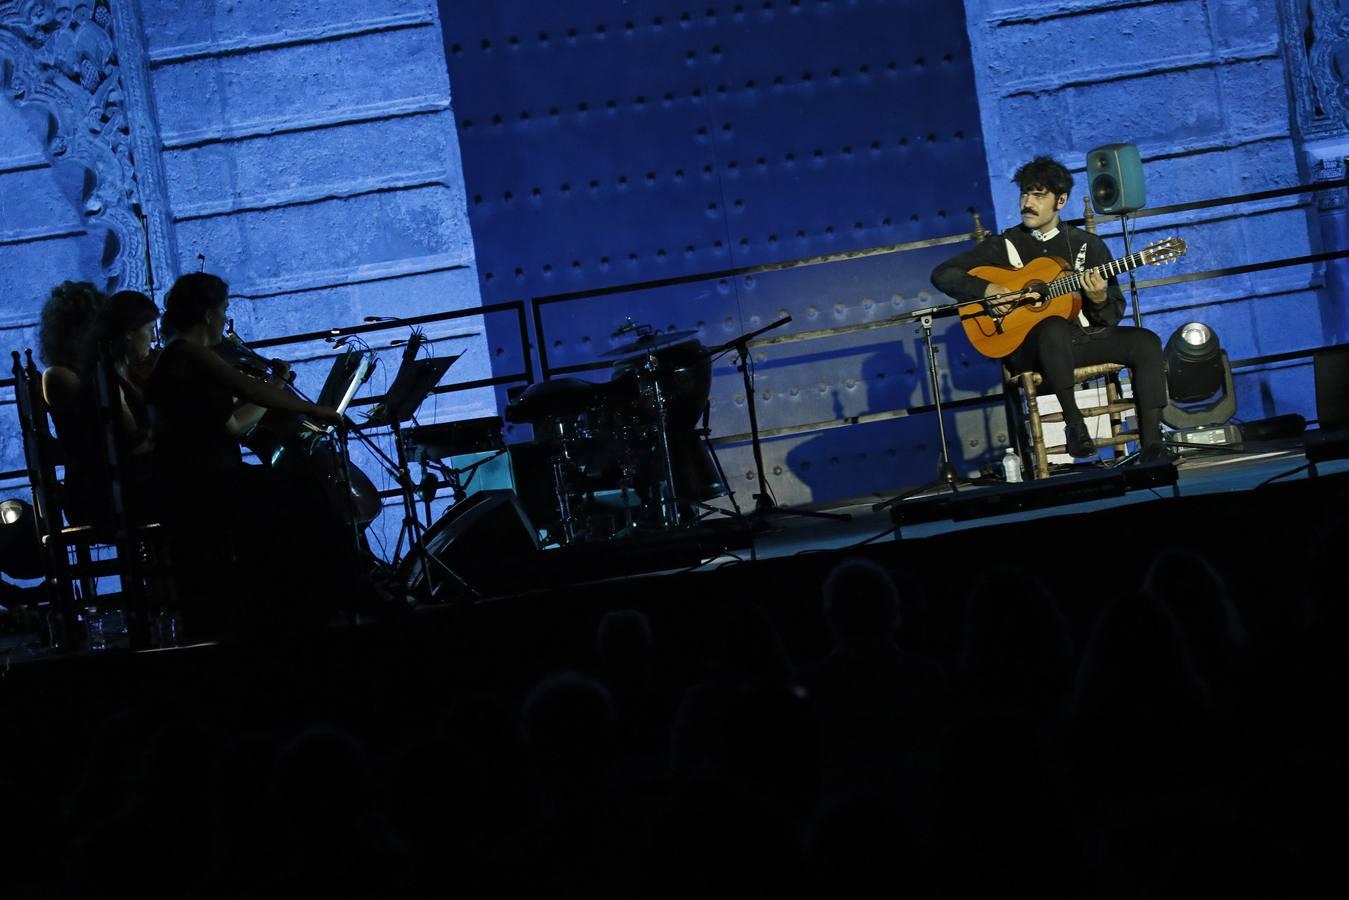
(1037,434)
(1113,392)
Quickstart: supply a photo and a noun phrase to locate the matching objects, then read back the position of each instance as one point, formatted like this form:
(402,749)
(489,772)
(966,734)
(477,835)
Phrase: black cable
(862,543)
(1274,478)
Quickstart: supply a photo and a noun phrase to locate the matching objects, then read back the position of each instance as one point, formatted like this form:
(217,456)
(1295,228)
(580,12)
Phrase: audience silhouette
(871,733)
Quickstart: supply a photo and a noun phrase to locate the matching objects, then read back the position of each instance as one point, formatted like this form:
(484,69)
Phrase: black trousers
(1057,346)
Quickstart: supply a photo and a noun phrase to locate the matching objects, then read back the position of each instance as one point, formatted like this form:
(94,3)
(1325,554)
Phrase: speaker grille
(1104,191)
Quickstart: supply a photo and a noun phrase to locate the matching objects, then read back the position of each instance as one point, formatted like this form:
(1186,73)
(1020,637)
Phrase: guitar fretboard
(1066,284)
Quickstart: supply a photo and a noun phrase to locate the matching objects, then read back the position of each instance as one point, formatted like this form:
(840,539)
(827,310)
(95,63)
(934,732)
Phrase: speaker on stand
(1115,179)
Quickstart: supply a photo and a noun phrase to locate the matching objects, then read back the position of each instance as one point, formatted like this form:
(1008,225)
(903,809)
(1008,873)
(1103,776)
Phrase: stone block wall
(1203,88)
(304,151)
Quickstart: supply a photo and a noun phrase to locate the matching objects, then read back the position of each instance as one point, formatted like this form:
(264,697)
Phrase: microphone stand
(764,504)
(946,472)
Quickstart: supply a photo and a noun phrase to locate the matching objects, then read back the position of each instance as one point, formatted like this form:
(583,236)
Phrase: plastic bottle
(1011,466)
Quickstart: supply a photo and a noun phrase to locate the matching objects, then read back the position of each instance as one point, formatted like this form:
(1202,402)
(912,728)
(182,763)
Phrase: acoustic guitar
(1057,288)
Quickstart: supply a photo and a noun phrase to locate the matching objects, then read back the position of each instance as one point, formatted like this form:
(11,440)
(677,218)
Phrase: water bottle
(95,635)
(1011,466)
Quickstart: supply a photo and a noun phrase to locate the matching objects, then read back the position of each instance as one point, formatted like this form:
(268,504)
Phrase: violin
(234,351)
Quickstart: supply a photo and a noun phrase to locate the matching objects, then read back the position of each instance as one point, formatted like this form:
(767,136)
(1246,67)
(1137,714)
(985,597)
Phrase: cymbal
(649,342)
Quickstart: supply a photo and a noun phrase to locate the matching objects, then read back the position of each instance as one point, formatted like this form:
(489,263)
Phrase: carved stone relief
(1316,42)
(61,57)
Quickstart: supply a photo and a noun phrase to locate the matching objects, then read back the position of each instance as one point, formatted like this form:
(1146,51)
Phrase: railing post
(980,232)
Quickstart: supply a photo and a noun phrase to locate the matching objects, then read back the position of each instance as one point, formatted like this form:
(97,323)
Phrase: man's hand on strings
(1093,286)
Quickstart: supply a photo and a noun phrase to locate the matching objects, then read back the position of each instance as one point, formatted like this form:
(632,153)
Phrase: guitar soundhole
(1038,287)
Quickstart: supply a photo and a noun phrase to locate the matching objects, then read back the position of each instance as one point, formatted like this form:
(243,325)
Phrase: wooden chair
(1034,452)
(79,557)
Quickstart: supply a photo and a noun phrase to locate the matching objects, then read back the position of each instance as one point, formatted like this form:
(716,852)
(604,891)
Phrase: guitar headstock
(1165,251)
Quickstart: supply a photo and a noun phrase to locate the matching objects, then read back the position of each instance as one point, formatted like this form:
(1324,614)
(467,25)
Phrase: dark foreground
(1034,723)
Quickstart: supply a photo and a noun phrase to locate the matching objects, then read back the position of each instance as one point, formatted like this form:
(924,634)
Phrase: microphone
(381,318)
(338,341)
(415,340)
(201,258)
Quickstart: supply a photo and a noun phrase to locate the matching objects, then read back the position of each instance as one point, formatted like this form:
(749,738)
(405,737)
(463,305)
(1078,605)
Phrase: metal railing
(537,305)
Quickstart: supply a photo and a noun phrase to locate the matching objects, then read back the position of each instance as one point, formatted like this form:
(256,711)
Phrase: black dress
(260,548)
(192,412)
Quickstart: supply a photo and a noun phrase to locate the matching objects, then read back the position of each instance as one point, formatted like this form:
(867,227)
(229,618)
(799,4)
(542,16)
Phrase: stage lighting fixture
(20,549)
(1198,379)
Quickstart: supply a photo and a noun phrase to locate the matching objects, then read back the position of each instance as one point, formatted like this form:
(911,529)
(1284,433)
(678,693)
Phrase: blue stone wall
(609,144)
(305,150)
(1202,87)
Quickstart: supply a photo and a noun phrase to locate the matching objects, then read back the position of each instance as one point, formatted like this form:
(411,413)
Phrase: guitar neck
(1073,281)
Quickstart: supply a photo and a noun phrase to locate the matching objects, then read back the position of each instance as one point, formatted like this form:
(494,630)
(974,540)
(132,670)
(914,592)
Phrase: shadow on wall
(904,451)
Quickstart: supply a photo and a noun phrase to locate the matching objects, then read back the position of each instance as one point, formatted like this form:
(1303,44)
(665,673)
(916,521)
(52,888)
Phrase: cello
(293,444)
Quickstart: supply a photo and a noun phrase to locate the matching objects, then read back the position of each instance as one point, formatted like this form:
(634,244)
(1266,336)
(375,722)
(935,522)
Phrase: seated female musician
(67,318)
(194,391)
(232,513)
(122,337)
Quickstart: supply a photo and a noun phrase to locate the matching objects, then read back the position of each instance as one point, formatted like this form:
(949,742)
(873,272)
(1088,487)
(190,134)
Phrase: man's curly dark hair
(67,318)
(1044,172)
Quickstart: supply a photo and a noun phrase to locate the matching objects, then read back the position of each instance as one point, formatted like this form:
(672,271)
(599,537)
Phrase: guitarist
(1055,346)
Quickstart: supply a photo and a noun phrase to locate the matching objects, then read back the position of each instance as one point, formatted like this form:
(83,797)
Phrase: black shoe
(1080,443)
(1156,453)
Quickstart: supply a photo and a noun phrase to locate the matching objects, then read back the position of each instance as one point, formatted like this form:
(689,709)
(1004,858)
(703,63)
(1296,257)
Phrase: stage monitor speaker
(483,539)
(1115,178)
(1331,370)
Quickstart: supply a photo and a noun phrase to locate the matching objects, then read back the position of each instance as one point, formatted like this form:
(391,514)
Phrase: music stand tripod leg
(412,526)
(705,434)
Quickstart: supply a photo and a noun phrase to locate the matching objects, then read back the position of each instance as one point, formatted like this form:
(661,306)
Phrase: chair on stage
(1099,388)
(1023,403)
(81,558)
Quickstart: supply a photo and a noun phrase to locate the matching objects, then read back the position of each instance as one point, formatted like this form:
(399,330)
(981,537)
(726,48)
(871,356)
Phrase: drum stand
(669,502)
(559,464)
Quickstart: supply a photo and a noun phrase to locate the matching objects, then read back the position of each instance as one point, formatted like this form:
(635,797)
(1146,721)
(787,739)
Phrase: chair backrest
(39,445)
(106,456)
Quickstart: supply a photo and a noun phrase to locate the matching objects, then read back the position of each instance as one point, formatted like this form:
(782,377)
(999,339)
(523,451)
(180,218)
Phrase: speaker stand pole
(1133,284)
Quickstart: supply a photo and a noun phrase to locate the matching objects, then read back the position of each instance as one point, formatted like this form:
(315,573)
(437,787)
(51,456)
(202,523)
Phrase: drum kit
(628,454)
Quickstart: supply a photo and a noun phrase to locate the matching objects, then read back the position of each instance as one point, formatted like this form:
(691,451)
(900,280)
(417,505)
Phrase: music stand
(415,379)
